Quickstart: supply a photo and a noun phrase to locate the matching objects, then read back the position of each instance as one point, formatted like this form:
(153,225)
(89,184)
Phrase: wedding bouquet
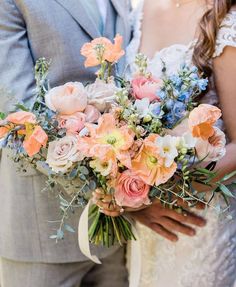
(133,141)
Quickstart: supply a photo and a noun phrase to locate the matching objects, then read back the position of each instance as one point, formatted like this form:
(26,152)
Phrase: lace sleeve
(136,18)
(227,34)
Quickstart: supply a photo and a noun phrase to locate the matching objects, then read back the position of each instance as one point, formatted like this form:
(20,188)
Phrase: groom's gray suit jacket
(30,29)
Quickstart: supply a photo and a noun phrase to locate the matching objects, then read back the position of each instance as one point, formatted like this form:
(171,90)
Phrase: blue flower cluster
(179,91)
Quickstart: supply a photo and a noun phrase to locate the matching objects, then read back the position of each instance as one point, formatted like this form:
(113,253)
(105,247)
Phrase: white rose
(63,153)
(101,94)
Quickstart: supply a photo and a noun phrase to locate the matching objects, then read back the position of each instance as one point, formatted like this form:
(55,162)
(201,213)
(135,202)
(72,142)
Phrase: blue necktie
(93,11)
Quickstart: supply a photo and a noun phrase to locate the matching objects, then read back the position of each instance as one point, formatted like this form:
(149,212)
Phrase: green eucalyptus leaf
(53,237)
(226,191)
(21,107)
(2,116)
(228,176)
(69,228)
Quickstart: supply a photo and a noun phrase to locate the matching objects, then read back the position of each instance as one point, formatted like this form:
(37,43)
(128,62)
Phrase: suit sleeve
(16,63)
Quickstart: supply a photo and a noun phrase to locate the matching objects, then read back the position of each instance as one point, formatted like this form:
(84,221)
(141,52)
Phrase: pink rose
(212,149)
(72,123)
(92,114)
(67,99)
(131,191)
(146,88)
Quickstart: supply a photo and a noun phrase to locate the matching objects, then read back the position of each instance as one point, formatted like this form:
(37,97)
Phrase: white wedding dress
(209,258)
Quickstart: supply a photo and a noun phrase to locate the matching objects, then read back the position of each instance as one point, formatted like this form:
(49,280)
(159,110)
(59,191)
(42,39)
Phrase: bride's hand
(168,222)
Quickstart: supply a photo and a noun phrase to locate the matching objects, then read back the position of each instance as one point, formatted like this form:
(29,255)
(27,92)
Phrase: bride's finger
(187,218)
(176,226)
(164,232)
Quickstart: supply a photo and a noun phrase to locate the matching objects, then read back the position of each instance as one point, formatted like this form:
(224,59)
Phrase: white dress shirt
(102,5)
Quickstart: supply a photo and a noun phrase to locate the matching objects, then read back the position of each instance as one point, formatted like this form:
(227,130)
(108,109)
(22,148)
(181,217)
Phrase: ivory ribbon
(83,235)
(135,260)
(135,251)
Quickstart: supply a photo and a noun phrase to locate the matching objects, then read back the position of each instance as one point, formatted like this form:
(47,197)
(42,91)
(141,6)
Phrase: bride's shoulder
(227,33)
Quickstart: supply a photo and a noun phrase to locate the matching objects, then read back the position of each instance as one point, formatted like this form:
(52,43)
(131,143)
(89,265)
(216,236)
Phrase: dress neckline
(186,47)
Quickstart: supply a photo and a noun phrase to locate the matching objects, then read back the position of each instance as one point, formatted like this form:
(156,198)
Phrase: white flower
(142,107)
(103,168)
(101,95)
(187,141)
(167,146)
(63,153)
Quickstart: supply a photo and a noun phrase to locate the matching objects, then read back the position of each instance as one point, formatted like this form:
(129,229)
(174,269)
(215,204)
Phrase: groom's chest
(57,29)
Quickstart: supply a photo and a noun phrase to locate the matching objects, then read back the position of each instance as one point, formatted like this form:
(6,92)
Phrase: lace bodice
(208,259)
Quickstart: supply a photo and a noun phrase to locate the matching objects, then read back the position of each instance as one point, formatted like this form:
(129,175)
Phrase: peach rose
(72,123)
(21,117)
(67,99)
(92,114)
(101,95)
(202,119)
(101,49)
(35,141)
(131,191)
(212,149)
(145,88)
(63,153)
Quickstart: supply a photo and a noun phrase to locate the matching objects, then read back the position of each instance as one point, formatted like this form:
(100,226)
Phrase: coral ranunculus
(67,99)
(21,117)
(144,87)
(150,166)
(202,119)
(131,190)
(33,143)
(3,131)
(107,141)
(101,49)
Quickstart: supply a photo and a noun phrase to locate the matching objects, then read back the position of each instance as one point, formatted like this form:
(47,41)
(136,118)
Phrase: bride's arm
(225,78)
(224,69)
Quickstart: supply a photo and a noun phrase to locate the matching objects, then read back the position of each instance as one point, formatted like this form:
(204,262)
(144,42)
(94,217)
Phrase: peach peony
(202,119)
(145,88)
(212,149)
(131,190)
(72,123)
(21,117)
(150,166)
(101,49)
(33,142)
(107,141)
(67,99)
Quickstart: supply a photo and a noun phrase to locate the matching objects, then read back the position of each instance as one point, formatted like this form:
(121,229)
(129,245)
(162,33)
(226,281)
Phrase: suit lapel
(122,26)
(80,15)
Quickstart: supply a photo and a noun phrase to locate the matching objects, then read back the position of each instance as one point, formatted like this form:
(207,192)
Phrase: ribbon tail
(135,260)
(83,235)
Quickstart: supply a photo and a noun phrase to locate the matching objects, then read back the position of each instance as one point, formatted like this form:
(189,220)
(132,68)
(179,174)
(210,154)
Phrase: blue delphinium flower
(161,94)
(176,80)
(178,109)
(155,110)
(202,84)
(184,96)
(170,120)
(169,104)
